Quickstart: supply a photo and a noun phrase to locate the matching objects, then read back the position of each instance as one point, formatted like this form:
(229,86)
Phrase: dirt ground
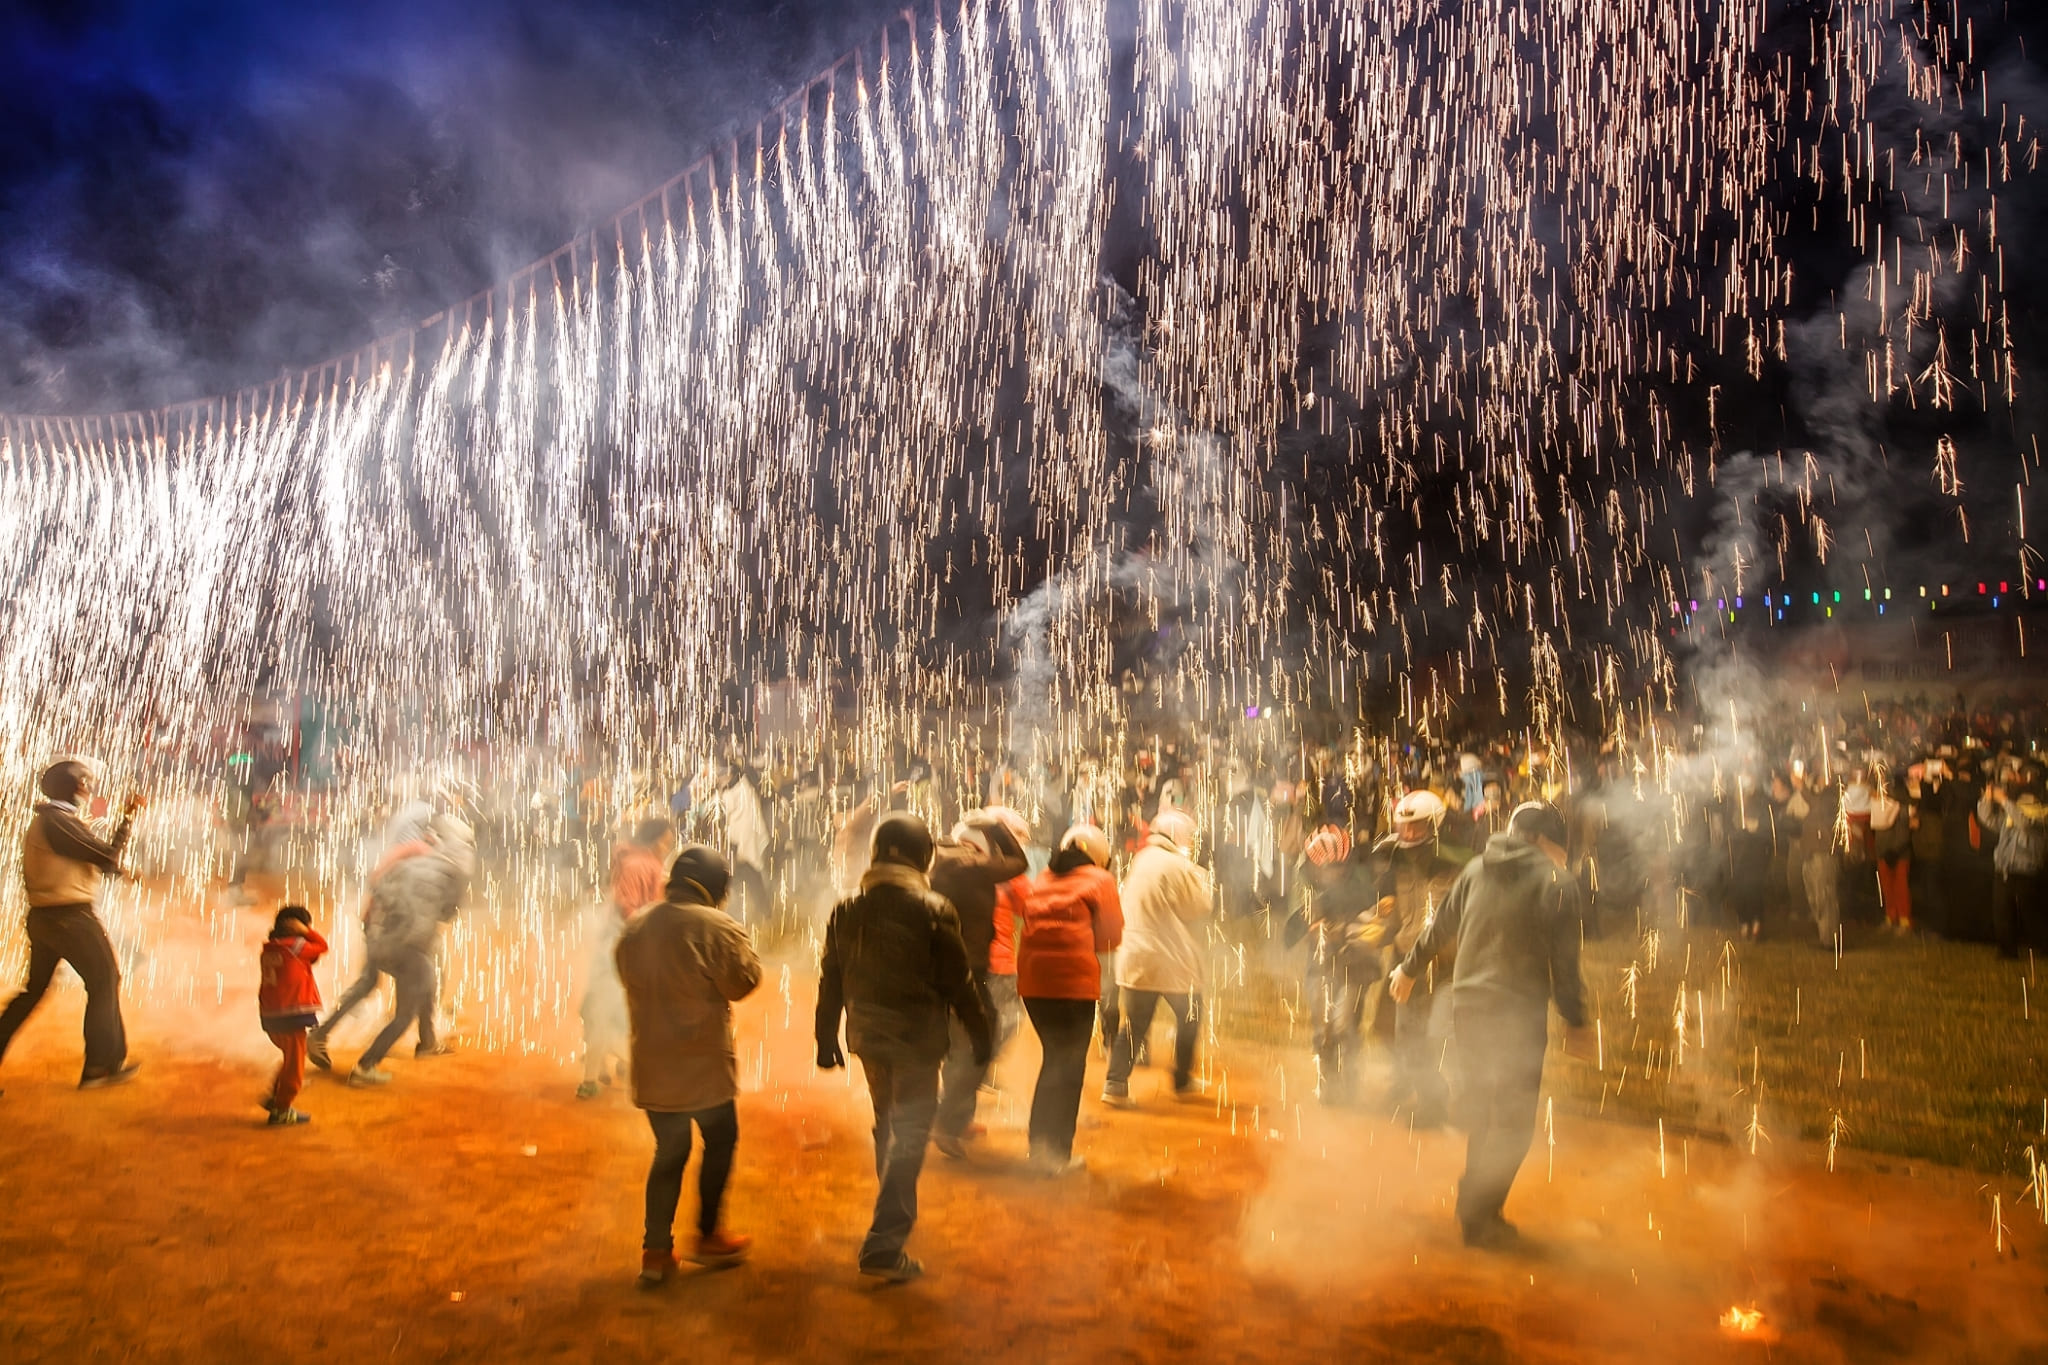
(475,1211)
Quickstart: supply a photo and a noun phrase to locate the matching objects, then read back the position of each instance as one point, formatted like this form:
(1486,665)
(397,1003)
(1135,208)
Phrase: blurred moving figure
(681,964)
(1164,897)
(409,904)
(894,966)
(639,867)
(1072,917)
(970,869)
(1513,920)
(62,866)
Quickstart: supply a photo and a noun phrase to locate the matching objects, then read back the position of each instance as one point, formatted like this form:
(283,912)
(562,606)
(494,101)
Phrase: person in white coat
(1166,897)
(746,836)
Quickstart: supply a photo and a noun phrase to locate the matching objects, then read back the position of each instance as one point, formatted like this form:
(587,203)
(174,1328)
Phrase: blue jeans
(721,1128)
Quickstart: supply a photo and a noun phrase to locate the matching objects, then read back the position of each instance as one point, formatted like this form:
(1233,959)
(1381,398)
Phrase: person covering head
(699,874)
(1537,822)
(1089,840)
(904,839)
(65,779)
(1177,828)
(1010,819)
(1416,817)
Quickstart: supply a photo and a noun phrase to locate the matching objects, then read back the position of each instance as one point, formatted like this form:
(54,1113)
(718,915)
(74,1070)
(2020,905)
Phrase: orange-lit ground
(475,1211)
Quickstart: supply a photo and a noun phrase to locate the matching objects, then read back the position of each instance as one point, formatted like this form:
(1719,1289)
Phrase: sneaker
(434,1050)
(902,1270)
(316,1053)
(364,1076)
(589,1090)
(949,1145)
(1118,1099)
(288,1118)
(656,1268)
(720,1249)
(120,1075)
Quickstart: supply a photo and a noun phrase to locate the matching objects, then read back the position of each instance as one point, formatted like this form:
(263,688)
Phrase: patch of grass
(1912,1047)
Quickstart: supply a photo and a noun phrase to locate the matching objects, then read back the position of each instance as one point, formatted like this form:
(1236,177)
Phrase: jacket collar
(894,874)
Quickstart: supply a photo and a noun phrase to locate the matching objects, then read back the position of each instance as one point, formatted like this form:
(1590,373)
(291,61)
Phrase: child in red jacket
(290,1004)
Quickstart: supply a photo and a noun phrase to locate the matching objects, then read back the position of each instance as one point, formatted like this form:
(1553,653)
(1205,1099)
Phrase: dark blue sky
(196,196)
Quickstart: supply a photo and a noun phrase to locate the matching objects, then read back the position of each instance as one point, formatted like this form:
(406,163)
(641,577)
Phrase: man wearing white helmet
(1415,872)
(1165,897)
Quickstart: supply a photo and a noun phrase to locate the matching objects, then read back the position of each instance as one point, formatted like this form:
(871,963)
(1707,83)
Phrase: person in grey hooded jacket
(408,906)
(1513,918)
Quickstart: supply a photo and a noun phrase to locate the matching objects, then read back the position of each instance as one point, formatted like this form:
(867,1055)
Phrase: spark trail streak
(1423,287)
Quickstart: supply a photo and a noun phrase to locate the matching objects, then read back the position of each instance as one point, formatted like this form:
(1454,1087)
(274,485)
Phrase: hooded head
(1177,828)
(700,875)
(66,780)
(1540,823)
(905,840)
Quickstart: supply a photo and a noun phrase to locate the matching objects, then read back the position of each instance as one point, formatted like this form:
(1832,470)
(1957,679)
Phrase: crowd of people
(1435,892)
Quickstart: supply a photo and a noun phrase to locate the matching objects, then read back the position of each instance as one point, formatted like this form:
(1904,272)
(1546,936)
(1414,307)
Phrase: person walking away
(408,906)
(1165,897)
(639,868)
(1891,840)
(409,834)
(1072,915)
(2012,811)
(288,1002)
(970,869)
(1820,858)
(893,967)
(1335,903)
(63,864)
(1512,918)
(1416,872)
(682,963)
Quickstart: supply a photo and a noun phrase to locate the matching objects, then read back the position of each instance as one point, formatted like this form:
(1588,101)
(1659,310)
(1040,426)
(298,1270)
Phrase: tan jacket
(682,967)
(63,861)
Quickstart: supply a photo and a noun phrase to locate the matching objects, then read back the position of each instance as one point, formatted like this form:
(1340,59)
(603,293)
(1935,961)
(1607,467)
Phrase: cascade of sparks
(855,414)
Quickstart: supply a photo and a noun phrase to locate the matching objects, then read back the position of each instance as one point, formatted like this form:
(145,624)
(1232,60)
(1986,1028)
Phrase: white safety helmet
(1415,809)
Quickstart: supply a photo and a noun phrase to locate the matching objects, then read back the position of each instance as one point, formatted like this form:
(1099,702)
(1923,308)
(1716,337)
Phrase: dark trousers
(412,972)
(358,990)
(960,1081)
(1416,1075)
(905,1096)
(720,1126)
(1138,1009)
(2015,901)
(73,934)
(1500,1069)
(1063,1028)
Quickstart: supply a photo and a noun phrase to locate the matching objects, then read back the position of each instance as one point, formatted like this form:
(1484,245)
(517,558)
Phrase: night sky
(194,197)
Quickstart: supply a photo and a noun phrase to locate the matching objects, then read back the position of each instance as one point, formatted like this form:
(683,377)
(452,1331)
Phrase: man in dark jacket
(967,870)
(62,865)
(894,966)
(1513,918)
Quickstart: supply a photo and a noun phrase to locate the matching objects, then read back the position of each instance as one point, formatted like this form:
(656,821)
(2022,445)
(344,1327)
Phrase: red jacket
(289,997)
(638,879)
(1068,919)
(1002,949)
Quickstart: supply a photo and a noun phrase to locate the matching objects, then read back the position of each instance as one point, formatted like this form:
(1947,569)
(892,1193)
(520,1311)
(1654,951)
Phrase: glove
(830,1058)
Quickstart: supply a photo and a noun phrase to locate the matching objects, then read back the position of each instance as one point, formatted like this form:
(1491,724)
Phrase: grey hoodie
(1513,917)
